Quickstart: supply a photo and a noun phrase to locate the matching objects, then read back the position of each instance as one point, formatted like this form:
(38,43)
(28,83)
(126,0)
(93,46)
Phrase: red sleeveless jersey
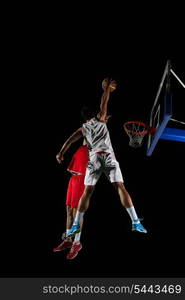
(79,161)
(76,185)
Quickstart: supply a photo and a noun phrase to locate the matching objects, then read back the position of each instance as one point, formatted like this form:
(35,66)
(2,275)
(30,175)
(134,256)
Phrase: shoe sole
(75,255)
(61,249)
(139,231)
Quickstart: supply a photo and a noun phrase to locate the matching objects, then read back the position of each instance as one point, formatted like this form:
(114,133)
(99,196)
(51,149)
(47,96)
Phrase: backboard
(161,112)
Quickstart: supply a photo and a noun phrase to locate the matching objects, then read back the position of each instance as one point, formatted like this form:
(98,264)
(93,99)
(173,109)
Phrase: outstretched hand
(59,157)
(109,84)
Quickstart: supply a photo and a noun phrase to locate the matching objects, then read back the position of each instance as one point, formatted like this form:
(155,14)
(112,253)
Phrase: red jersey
(76,185)
(79,161)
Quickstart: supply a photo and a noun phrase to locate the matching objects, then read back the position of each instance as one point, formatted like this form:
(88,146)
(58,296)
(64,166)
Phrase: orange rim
(138,123)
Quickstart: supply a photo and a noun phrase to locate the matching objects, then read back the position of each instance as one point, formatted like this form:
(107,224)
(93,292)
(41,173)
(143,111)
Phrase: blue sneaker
(138,227)
(74,230)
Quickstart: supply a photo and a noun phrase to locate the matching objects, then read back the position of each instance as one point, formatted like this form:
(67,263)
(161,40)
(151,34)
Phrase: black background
(56,68)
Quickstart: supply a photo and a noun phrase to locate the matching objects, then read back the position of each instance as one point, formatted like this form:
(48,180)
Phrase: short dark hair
(87,113)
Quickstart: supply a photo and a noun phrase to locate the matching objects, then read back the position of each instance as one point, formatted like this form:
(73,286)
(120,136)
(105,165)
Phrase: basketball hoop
(136,131)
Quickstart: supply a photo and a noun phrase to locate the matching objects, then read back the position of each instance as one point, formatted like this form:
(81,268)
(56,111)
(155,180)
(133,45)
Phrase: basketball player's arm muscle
(103,106)
(108,87)
(72,139)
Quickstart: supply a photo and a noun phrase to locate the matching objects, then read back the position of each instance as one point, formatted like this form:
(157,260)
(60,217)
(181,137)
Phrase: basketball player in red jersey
(101,159)
(77,168)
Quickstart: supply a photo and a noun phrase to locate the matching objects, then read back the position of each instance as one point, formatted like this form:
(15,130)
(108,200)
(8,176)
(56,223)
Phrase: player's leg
(67,241)
(85,199)
(69,220)
(126,201)
(83,205)
(78,235)
(78,191)
(81,209)
(92,175)
(113,172)
(125,198)
(77,245)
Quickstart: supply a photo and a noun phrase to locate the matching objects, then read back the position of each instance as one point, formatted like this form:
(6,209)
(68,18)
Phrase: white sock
(132,213)
(77,237)
(78,217)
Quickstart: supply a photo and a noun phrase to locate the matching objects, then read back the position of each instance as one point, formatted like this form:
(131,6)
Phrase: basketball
(112,85)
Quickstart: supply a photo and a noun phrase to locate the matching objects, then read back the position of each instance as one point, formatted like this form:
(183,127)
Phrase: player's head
(87,113)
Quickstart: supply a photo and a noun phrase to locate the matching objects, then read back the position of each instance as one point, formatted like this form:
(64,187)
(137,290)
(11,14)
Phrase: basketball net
(136,131)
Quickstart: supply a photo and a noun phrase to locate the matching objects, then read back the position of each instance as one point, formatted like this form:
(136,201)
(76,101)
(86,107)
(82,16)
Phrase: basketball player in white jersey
(101,160)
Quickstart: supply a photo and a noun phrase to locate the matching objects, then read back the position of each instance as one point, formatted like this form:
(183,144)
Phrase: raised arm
(73,138)
(108,86)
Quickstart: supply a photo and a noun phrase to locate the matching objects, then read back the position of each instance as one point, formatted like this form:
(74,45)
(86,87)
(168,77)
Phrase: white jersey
(97,136)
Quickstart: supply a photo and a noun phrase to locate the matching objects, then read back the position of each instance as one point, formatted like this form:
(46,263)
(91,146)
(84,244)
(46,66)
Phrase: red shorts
(75,190)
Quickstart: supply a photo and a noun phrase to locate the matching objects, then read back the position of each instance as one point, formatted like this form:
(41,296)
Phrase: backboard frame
(162,131)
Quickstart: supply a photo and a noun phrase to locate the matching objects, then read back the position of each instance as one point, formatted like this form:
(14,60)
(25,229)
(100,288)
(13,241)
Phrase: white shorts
(102,163)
